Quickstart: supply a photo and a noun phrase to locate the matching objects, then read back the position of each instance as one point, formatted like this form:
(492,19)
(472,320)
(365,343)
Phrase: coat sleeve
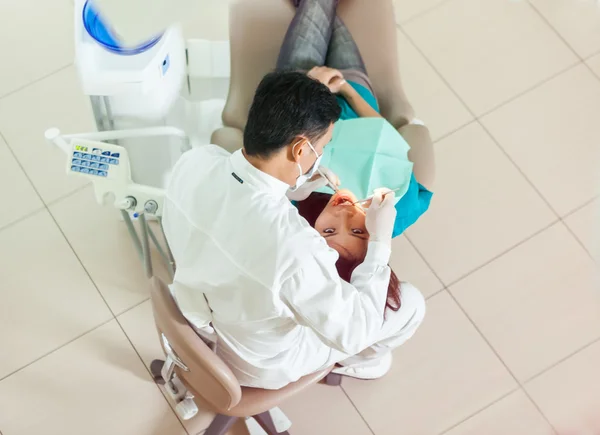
(346,316)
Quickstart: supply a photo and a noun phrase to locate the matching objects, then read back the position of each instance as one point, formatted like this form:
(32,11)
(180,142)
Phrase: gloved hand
(381,215)
(316,182)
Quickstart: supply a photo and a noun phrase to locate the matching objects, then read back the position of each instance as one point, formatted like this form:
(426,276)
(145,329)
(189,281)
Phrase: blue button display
(74,169)
(95,165)
(114,162)
(102,173)
(76,162)
(93,172)
(104,167)
(106,153)
(104,160)
(85,163)
(116,155)
(84,170)
(77,155)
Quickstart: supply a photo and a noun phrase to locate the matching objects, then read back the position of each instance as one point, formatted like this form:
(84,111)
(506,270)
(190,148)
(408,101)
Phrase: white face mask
(302,178)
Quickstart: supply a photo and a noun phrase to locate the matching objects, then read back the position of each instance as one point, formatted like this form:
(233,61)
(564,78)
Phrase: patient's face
(343,225)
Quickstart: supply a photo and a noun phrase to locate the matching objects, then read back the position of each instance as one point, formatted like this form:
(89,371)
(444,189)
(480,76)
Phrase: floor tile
(443,375)
(567,394)
(323,409)
(432,99)
(46,298)
(472,216)
(56,101)
(138,324)
(95,385)
(207,19)
(15,189)
(576,21)
(36,39)
(101,241)
(518,302)
(553,137)
(585,223)
(489,51)
(594,63)
(409,266)
(515,414)
(407,9)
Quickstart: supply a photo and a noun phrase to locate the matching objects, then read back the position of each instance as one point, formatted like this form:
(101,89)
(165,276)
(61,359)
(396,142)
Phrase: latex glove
(330,77)
(381,216)
(315,183)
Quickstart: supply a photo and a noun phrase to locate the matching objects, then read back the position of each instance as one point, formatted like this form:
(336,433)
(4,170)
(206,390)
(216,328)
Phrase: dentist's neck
(277,166)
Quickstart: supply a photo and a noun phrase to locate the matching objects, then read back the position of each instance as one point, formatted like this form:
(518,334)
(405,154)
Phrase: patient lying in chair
(319,43)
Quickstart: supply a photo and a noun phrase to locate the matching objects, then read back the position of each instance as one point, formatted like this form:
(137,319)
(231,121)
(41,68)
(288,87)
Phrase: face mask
(302,178)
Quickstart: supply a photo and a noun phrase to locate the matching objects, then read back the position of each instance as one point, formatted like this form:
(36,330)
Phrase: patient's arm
(358,103)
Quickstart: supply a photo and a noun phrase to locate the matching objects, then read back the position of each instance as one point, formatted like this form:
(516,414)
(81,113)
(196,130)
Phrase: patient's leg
(307,39)
(343,52)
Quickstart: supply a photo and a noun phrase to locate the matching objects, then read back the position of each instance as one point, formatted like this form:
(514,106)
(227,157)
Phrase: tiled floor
(507,256)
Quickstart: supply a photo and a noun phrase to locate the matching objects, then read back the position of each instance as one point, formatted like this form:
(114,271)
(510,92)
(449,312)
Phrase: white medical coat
(251,265)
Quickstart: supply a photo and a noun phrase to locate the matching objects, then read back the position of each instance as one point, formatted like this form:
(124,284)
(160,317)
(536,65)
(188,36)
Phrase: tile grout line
(356,408)
(501,360)
(148,370)
(454,130)
(519,169)
(426,263)
(554,30)
(39,79)
(420,14)
(435,294)
(532,88)
(476,117)
(68,194)
(580,242)
(479,411)
(114,317)
(506,251)
(562,360)
(56,349)
(579,207)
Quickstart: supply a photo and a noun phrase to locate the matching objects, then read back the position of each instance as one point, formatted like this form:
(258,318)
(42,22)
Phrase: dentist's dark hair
(286,105)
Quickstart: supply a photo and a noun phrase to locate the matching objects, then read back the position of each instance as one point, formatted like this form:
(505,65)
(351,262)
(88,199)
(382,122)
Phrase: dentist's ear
(297,149)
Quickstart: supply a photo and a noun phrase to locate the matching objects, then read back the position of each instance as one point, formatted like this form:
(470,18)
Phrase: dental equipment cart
(145,100)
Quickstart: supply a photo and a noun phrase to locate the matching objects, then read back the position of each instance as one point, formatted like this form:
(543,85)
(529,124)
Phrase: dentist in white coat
(249,265)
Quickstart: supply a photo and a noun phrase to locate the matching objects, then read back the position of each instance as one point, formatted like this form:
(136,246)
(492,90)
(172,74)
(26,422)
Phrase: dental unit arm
(108,167)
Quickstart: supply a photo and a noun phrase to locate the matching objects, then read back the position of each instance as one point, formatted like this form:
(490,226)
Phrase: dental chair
(194,375)
(257,29)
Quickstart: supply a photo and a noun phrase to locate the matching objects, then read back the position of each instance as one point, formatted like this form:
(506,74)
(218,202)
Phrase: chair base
(222,423)
(156,369)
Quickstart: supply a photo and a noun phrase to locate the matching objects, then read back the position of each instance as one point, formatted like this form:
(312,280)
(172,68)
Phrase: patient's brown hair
(310,209)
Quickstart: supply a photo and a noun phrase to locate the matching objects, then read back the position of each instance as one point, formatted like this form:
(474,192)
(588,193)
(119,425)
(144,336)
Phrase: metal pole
(147,259)
(133,233)
(162,252)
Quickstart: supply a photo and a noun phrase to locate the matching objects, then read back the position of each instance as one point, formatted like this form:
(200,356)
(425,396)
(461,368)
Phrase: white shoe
(375,371)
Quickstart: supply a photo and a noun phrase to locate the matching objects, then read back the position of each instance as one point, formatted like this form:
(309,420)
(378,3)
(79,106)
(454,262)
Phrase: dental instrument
(331,185)
(371,197)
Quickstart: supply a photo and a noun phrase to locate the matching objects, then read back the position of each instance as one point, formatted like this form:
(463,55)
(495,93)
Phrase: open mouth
(343,198)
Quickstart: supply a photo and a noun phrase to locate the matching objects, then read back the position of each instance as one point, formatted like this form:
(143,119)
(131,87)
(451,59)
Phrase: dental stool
(257,29)
(194,375)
